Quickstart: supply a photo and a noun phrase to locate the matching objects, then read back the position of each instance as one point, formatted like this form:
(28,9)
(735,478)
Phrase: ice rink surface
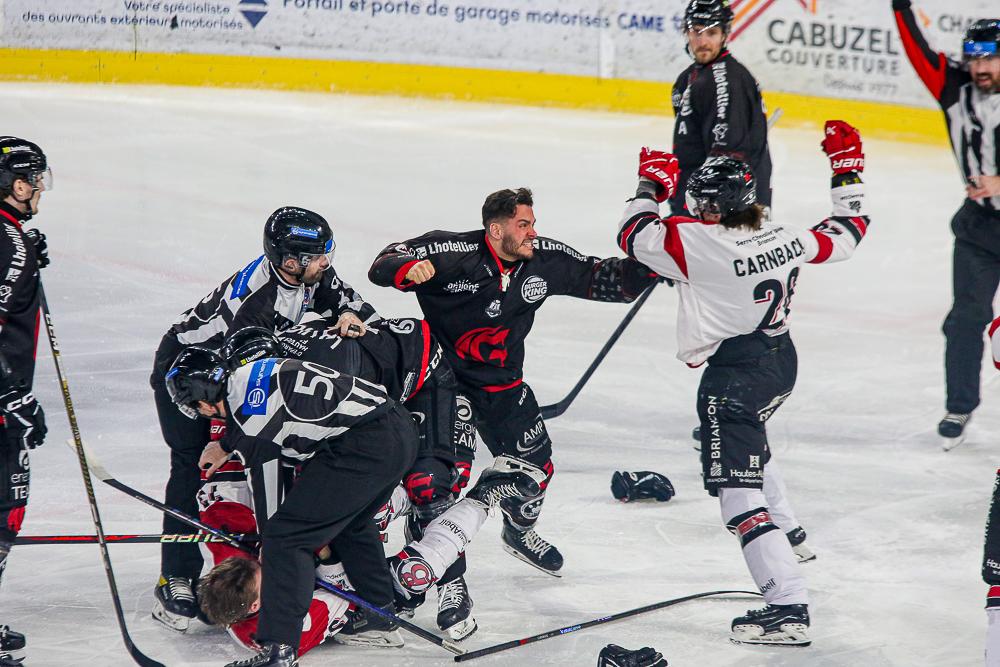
(162,192)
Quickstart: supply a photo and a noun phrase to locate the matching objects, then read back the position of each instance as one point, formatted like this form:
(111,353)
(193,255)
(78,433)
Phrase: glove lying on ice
(613,655)
(629,486)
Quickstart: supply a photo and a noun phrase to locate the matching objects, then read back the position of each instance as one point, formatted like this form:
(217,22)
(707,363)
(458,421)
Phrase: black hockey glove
(41,247)
(613,655)
(23,418)
(629,486)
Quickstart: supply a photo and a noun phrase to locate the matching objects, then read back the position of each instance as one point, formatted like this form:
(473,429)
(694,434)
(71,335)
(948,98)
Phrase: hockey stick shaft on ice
(137,655)
(489,650)
(233,541)
(154,538)
(556,409)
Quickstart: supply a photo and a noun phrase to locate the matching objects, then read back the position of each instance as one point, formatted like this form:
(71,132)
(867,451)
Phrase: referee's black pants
(975,277)
(340,490)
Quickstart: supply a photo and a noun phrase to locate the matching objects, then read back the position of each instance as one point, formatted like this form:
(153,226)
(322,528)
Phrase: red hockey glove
(661,168)
(842,144)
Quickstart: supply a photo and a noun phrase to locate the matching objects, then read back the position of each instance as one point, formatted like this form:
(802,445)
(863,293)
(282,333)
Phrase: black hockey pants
(340,490)
(975,276)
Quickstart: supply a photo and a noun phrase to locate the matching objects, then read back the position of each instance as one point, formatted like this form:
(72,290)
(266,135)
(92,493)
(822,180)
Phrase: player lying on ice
(736,274)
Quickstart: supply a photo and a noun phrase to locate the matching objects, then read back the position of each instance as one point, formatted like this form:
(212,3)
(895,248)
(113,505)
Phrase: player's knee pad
(745,514)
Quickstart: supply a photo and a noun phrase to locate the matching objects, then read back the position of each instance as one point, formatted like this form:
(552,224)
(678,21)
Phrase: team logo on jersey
(255,399)
(534,289)
(755,462)
(716,469)
(487,345)
(414,573)
(493,310)
(720,131)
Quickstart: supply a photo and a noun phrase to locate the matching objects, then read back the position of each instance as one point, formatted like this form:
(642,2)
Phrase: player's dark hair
(504,203)
(749,219)
(226,593)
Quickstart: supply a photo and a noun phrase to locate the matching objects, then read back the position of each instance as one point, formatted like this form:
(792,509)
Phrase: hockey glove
(842,144)
(41,247)
(23,417)
(613,655)
(629,486)
(662,169)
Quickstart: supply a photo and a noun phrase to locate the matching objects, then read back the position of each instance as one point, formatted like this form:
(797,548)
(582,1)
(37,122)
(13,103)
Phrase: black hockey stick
(489,650)
(154,538)
(556,409)
(137,655)
(233,541)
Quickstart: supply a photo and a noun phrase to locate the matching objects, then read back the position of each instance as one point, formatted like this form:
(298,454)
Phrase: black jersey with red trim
(20,296)
(399,354)
(972,116)
(719,111)
(481,309)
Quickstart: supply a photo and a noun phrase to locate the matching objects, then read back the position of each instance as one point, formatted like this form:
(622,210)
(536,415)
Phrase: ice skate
(952,429)
(455,609)
(175,604)
(776,625)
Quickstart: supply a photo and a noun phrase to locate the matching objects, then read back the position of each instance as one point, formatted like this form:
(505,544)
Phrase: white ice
(162,192)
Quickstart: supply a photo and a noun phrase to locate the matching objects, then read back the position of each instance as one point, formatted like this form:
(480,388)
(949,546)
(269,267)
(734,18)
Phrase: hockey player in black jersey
(292,277)
(24,176)
(355,444)
(479,291)
(717,103)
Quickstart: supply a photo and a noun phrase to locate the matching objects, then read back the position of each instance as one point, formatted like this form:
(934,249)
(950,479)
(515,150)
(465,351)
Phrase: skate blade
(175,622)
(371,639)
(517,554)
(462,629)
(948,444)
(789,634)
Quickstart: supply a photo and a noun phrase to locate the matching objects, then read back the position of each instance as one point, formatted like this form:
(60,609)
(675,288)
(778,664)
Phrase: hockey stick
(233,541)
(489,650)
(155,538)
(137,655)
(556,409)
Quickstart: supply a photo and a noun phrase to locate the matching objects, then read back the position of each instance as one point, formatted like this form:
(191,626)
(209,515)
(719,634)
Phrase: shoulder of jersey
(549,247)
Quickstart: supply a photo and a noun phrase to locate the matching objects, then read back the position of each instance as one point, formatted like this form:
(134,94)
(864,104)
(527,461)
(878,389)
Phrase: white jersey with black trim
(732,281)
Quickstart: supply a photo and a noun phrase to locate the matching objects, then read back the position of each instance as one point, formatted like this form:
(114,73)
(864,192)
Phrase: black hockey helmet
(298,233)
(249,344)
(21,159)
(708,14)
(722,185)
(197,374)
(982,40)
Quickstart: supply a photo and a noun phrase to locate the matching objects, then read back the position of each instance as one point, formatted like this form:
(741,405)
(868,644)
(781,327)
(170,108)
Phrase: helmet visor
(972,49)
(305,259)
(699,206)
(41,180)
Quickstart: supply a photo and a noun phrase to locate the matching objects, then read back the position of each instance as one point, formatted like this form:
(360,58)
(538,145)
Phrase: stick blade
(93,464)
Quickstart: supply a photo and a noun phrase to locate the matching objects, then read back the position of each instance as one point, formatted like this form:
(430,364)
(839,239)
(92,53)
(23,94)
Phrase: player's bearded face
(518,234)
(705,43)
(985,73)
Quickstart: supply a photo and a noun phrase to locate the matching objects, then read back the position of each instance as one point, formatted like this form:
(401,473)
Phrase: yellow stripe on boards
(885,121)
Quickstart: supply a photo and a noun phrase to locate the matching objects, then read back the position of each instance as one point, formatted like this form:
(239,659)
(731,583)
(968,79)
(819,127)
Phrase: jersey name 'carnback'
(295,406)
(973,117)
(481,310)
(732,281)
(720,111)
(399,354)
(259,296)
(20,297)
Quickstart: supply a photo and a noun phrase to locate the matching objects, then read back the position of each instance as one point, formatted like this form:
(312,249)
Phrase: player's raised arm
(836,238)
(398,266)
(933,67)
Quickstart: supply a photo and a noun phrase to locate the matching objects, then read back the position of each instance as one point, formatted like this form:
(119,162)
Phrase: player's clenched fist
(420,272)
(661,168)
(842,144)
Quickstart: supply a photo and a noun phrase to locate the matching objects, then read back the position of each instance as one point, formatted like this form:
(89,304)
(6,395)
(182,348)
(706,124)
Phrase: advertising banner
(835,48)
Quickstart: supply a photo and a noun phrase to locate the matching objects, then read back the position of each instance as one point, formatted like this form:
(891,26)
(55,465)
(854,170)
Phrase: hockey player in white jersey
(736,275)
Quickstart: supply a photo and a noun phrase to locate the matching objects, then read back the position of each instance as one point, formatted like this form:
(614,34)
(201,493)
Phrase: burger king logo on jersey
(534,289)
